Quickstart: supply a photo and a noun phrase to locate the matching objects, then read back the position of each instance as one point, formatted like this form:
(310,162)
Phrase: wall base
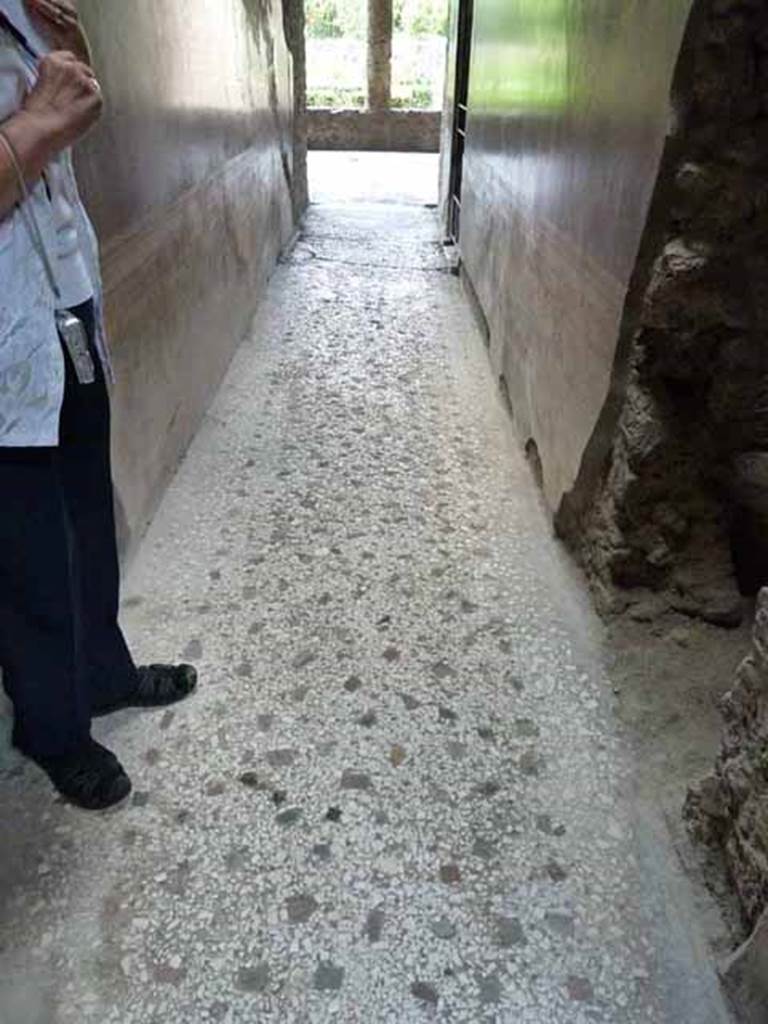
(403,131)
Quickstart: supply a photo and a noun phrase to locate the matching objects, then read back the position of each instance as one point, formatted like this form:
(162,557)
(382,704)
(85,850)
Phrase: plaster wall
(189,181)
(568,113)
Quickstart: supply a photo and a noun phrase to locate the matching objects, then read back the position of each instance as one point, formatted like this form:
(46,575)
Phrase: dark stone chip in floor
(458,751)
(509,932)
(411,704)
(489,989)
(374,924)
(446,714)
(397,755)
(129,837)
(486,734)
(193,651)
(264,722)
(483,848)
(424,993)
(281,758)
(561,924)
(254,978)
(488,789)
(288,817)
(443,928)
(351,779)
(244,670)
(167,719)
(353,684)
(556,872)
(544,824)
(301,908)
(514,680)
(391,654)
(530,763)
(140,799)
(328,977)
(236,860)
(215,788)
(250,779)
(579,989)
(367,720)
(333,814)
(321,851)
(279,796)
(450,874)
(443,670)
(303,659)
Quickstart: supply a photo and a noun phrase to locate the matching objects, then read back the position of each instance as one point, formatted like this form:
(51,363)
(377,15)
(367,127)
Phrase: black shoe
(156,687)
(91,778)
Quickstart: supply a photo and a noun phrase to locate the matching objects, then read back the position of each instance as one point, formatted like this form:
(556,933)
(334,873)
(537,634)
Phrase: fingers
(65,57)
(62,62)
(61,14)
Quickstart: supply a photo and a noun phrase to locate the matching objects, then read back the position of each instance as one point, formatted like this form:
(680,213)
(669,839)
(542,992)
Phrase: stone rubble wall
(402,131)
(680,504)
(728,810)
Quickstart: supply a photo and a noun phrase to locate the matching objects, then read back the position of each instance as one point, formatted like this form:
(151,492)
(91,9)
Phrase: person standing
(62,653)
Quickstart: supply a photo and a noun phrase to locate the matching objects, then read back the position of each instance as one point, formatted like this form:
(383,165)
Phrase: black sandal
(91,778)
(157,686)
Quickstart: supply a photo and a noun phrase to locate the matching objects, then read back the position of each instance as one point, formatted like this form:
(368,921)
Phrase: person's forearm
(35,142)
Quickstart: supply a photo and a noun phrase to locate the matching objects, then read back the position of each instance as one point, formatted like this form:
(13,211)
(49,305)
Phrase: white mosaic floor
(399,794)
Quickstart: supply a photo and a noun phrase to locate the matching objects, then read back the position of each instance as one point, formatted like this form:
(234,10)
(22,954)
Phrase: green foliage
(336,19)
(421,17)
(322,19)
(336,98)
(348,19)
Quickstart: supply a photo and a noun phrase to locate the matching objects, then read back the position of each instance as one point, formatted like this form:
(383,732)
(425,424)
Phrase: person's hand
(66,101)
(59,23)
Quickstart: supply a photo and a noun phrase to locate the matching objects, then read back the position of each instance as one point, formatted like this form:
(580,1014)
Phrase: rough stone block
(745,976)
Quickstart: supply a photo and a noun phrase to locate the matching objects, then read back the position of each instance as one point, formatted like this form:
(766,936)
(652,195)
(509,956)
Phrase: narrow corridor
(400,794)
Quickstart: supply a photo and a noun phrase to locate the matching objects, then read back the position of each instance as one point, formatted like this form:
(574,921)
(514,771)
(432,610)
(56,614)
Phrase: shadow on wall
(293,156)
(259,17)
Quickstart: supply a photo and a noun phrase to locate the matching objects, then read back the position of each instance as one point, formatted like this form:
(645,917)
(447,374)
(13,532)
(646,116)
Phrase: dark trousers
(61,649)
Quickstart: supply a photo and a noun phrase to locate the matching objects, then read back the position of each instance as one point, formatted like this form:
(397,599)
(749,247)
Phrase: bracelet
(11,151)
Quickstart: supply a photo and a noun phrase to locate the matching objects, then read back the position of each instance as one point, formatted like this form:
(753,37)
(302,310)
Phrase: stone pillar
(379,54)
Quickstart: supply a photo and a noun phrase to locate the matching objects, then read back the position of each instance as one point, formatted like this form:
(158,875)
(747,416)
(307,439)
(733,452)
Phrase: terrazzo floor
(400,793)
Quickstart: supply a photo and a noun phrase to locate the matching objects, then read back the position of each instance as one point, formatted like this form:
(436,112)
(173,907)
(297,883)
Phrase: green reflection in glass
(520,56)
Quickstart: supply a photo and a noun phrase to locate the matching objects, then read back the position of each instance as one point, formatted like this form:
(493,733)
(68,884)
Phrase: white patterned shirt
(31,356)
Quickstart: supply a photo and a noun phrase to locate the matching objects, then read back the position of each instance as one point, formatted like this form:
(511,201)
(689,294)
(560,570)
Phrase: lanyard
(21,39)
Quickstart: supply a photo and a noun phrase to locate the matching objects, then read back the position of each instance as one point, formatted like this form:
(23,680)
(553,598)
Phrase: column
(379,54)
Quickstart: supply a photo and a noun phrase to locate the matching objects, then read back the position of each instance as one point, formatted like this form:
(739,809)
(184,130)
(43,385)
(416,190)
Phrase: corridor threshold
(400,794)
